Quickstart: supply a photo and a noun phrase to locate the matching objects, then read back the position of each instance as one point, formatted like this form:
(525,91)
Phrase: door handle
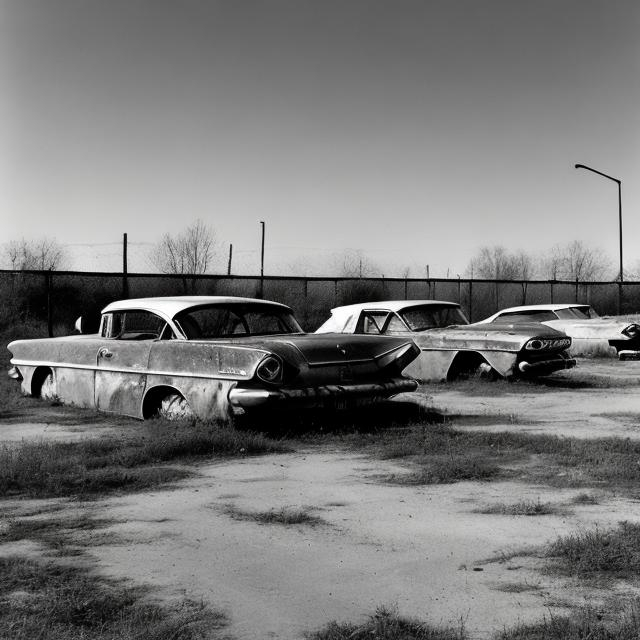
(105,353)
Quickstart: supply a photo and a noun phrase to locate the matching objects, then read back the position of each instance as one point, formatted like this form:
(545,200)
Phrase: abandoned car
(591,334)
(451,347)
(209,357)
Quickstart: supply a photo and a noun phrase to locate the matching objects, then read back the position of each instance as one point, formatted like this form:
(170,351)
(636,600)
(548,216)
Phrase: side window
(132,325)
(395,325)
(371,322)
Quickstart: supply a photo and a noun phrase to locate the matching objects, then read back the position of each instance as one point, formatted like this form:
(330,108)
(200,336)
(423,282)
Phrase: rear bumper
(544,367)
(628,354)
(328,396)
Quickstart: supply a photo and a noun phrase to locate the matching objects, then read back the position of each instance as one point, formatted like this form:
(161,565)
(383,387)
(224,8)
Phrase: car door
(122,361)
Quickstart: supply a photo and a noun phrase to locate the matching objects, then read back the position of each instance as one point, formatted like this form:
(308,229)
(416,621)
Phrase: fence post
(125,268)
(48,280)
(470,300)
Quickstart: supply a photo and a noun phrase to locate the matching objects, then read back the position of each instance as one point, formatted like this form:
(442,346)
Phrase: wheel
(48,388)
(174,407)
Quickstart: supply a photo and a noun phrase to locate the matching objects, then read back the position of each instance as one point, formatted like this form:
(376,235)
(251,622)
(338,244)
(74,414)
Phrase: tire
(48,389)
(174,407)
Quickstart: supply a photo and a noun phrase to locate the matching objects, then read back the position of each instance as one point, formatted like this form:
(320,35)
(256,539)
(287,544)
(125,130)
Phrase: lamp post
(262,262)
(604,175)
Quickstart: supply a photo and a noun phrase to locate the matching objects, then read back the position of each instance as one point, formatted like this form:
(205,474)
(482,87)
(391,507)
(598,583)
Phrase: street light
(604,175)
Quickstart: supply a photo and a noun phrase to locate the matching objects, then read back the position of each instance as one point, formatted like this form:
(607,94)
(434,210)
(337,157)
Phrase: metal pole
(125,281)
(262,262)
(620,282)
(621,275)
(230,256)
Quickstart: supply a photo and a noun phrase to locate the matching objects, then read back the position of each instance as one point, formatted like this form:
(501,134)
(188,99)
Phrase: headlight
(548,344)
(270,370)
(631,331)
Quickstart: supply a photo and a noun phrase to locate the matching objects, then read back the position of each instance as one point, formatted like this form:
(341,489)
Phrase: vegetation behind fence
(59,297)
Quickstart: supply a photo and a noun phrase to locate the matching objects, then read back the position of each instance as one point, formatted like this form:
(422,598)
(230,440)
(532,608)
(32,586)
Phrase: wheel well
(153,398)
(465,363)
(38,378)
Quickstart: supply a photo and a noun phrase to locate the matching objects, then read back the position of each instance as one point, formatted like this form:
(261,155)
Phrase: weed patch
(447,470)
(284,516)
(48,601)
(386,624)
(46,469)
(522,508)
(586,624)
(597,553)
(442,453)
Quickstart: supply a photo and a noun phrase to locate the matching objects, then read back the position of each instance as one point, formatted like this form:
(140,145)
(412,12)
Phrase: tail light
(270,370)
(546,344)
(631,331)
(400,357)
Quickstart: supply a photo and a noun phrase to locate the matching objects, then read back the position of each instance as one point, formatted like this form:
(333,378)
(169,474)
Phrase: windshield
(432,317)
(584,312)
(225,321)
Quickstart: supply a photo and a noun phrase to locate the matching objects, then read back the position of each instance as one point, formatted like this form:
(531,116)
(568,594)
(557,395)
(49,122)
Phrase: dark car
(209,357)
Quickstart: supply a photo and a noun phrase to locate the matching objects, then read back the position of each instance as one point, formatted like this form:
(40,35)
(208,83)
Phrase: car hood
(502,337)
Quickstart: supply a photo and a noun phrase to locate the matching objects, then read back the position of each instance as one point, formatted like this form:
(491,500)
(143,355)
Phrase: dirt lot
(425,549)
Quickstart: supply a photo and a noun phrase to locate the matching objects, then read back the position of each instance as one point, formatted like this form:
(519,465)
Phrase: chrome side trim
(148,372)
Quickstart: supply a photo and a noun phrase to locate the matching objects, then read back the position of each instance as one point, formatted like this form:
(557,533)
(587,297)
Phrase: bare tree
(577,262)
(353,263)
(41,255)
(496,263)
(552,264)
(189,253)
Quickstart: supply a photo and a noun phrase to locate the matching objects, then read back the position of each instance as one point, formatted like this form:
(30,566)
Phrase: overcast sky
(414,131)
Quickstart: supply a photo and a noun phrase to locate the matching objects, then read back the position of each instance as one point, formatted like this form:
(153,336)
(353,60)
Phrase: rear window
(225,321)
(432,317)
(577,313)
(523,317)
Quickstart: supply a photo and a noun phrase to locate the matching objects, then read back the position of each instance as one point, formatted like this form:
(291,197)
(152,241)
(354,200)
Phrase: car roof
(391,305)
(172,305)
(388,305)
(544,307)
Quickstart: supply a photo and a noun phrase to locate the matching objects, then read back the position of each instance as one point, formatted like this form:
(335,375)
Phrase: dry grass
(585,624)
(48,601)
(439,453)
(522,508)
(45,469)
(599,553)
(284,516)
(386,624)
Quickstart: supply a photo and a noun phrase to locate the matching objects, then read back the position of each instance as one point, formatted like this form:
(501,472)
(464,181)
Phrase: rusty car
(208,357)
(452,347)
(591,333)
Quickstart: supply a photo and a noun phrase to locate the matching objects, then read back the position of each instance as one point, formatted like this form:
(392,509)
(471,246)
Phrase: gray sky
(415,131)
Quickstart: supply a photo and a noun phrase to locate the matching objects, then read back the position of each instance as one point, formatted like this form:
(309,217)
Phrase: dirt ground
(425,550)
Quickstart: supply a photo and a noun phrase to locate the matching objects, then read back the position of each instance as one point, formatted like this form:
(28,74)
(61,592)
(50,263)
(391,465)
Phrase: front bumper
(329,396)
(544,367)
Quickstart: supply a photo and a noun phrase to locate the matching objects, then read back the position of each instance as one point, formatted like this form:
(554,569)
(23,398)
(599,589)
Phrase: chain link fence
(59,297)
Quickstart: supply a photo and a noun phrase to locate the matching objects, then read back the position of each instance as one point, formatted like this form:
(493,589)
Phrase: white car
(450,346)
(591,334)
